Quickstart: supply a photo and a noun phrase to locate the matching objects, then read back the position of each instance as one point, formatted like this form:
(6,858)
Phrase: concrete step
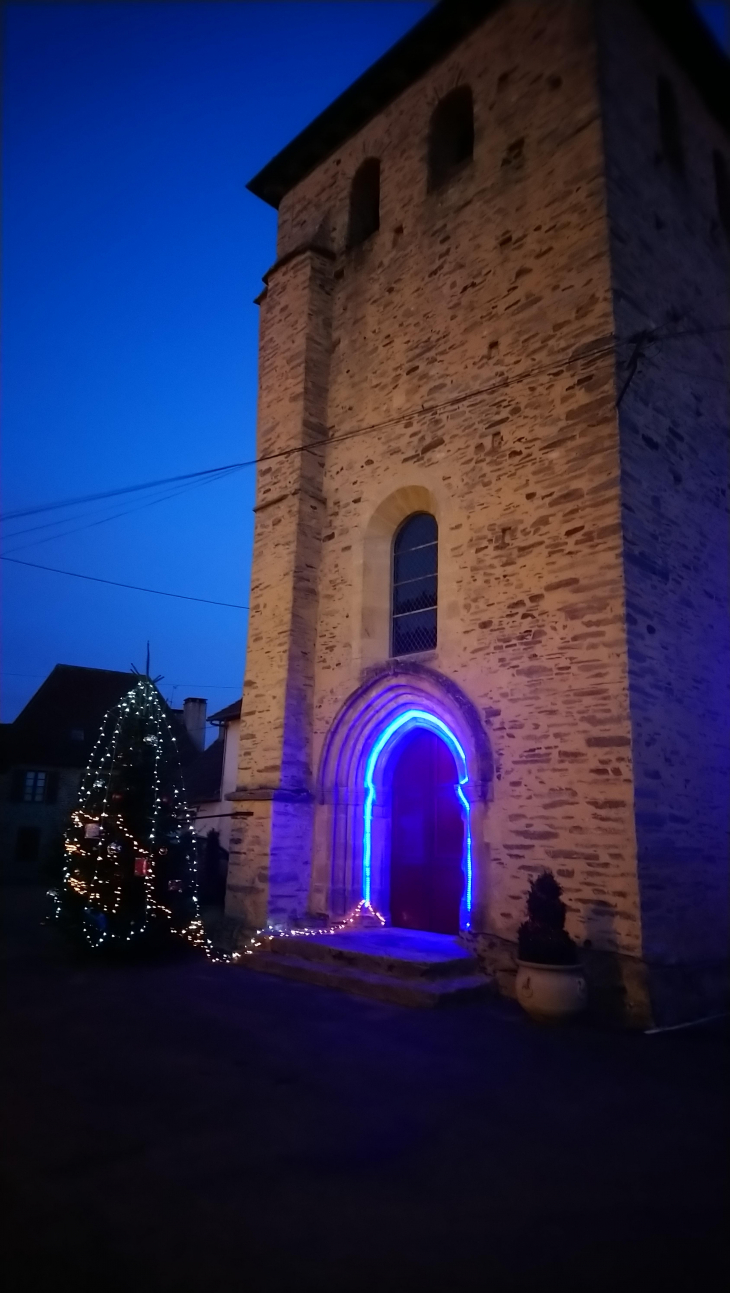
(403,967)
(383,987)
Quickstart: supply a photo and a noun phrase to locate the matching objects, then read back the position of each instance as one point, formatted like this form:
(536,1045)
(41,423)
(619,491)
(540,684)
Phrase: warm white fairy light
(103,882)
(103,889)
(362,914)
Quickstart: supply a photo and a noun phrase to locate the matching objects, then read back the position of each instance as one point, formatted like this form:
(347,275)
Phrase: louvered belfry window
(415,585)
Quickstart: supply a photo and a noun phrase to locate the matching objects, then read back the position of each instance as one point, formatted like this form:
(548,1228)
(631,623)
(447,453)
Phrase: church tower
(488,625)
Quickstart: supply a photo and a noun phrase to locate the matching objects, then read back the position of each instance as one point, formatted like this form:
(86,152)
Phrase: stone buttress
(269,855)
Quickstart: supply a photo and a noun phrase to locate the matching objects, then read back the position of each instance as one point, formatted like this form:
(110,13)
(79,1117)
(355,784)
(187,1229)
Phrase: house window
(670,133)
(34,788)
(451,136)
(415,585)
(722,189)
(364,202)
(27,844)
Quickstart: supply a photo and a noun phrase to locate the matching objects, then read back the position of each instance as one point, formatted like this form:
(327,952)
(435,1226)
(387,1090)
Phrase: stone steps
(403,967)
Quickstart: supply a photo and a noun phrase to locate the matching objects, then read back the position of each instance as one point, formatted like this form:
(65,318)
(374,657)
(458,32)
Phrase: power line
(211,686)
(116,583)
(87,525)
(166,493)
(127,489)
(586,353)
(583,354)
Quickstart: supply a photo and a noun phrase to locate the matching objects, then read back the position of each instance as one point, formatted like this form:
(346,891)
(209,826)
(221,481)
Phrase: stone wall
(671,274)
(49,819)
(489,302)
(268,872)
(472,364)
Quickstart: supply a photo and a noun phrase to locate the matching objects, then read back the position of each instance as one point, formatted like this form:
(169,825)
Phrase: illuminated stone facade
(467,360)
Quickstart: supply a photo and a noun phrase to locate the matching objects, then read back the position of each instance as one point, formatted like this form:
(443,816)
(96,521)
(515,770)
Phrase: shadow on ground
(195,1128)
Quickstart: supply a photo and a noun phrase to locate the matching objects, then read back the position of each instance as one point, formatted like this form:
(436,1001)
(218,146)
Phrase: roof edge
(676,23)
(424,44)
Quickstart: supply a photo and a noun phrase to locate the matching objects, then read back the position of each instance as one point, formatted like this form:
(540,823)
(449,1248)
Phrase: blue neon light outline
(421,718)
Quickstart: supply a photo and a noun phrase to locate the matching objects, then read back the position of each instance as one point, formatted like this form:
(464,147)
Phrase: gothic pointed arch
(352,780)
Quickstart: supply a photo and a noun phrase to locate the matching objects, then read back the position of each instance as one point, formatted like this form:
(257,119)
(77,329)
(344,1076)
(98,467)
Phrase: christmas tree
(130,874)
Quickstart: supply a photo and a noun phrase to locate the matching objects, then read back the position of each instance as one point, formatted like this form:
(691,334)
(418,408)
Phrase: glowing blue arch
(417,718)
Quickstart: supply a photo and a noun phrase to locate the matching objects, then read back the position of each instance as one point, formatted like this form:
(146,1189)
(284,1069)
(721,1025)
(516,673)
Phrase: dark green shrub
(543,938)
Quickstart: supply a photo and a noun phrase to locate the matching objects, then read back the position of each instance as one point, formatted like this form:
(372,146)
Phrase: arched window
(451,136)
(670,133)
(364,202)
(415,585)
(722,190)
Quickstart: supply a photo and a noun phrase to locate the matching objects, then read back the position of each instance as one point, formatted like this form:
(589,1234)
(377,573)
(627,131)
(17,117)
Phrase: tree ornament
(130,863)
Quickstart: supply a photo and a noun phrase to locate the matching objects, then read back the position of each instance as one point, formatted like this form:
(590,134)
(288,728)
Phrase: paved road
(201,1129)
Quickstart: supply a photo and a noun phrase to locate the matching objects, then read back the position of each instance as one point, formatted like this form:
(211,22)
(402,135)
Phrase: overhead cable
(96,579)
(584,354)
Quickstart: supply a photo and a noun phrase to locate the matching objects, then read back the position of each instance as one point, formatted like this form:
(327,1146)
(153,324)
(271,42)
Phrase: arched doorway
(427,835)
(352,825)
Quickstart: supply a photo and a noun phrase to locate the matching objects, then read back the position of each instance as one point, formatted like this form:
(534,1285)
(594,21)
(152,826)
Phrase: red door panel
(427,837)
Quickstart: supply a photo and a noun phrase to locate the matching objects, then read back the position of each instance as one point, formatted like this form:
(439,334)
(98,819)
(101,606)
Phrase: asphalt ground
(186,1127)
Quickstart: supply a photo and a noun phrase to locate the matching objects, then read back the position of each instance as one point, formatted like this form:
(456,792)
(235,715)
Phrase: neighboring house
(212,775)
(488,627)
(44,752)
(209,779)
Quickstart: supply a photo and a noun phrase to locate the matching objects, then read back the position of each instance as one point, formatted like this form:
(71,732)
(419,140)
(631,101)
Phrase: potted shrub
(550,980)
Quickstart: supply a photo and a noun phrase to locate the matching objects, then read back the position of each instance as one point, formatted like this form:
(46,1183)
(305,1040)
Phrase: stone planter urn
(550,993)
(551,984)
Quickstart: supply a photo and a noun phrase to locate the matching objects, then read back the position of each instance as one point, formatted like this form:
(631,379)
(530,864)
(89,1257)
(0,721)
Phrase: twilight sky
(132,253)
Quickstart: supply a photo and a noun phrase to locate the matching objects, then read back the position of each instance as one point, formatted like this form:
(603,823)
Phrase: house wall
(671,277)
(217,814)
(50,819)
(493,295)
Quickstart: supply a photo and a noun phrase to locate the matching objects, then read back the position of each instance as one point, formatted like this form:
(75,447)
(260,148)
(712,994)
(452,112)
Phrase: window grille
(415,585)
(34,789)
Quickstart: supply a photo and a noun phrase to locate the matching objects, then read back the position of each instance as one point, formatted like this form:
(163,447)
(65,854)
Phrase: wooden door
(427,837)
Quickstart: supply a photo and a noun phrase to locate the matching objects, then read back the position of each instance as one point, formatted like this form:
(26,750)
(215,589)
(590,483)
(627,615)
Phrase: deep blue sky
(132,253)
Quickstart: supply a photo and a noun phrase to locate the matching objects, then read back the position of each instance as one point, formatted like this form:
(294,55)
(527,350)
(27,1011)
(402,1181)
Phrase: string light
(363,914)
(408,719)
(104,858)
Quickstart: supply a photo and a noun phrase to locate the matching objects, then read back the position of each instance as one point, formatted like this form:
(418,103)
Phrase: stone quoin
(500,300)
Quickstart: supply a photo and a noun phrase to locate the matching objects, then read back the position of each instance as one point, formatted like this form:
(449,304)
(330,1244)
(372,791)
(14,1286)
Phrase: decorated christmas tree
(130,874)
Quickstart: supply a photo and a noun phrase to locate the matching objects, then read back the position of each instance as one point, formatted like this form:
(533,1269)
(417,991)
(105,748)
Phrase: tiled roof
(227,715)
(430,40)
(60,724)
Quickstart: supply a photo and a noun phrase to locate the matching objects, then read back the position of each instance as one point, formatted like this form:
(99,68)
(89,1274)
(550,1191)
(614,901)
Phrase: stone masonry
(671,275)
(467,359)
